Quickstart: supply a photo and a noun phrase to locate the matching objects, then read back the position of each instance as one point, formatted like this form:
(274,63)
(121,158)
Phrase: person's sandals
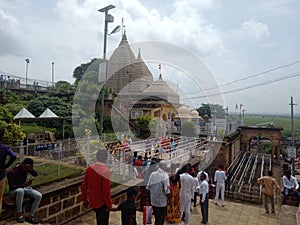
(20,219)
(2,223)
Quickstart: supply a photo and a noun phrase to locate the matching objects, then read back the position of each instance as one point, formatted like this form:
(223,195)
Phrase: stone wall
(61,201)
(272,133)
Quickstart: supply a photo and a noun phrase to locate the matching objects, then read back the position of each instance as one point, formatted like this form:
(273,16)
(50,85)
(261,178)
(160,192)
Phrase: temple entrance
(258,139)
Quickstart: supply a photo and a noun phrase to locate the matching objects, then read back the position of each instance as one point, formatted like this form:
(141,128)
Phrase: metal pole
(292,132)
(106,21)
(292,122)
(52,72)
(26,73)
(226,121)
(87,156)
(21,151)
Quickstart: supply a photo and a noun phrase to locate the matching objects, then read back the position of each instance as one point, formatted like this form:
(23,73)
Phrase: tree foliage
(80,70)
(58,105)
(142,122)
(13,132)
(188,129)
(5,114)
(64,87)
(211,109)
(265,147)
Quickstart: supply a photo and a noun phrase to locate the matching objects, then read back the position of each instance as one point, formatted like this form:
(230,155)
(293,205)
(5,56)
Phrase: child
(128,208)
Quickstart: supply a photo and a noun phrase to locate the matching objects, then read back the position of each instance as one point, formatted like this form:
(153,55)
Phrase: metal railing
(242,178)
(234,176)
(250,182)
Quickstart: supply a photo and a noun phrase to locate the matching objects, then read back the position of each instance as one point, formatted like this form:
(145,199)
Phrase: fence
(83,151)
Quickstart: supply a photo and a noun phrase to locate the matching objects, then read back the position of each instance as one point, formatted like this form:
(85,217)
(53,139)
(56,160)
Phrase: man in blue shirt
(5,151)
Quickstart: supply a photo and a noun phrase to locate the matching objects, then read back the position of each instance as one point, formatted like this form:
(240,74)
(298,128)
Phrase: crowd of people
(152,148)
(170,191)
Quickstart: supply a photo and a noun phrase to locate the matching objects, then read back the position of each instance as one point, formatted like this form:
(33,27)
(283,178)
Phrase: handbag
(147,214)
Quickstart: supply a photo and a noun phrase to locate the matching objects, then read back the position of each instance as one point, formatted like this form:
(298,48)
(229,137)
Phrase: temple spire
(124,39)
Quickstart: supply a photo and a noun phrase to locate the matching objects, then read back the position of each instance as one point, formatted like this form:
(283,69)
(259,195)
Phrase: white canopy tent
(48,114)
(23,114)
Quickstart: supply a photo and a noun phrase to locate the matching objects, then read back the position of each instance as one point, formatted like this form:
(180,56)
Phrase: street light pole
(52,72)
(108,19)
(26,73)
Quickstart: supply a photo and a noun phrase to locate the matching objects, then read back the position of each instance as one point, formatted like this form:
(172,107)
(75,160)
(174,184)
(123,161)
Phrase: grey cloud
(10,39)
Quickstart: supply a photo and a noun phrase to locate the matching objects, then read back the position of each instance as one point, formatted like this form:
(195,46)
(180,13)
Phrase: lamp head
(105,9)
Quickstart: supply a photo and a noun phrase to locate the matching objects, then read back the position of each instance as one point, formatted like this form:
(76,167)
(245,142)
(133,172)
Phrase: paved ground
(232,214)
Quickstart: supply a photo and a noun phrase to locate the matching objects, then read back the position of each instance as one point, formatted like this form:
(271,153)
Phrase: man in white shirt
(203,191)
(159,187)
(186,193)
(219,179)
(198,176)
(199,181)
(290,185)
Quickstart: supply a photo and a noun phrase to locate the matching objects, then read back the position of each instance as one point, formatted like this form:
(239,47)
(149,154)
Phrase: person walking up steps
(269,183)
(219,179)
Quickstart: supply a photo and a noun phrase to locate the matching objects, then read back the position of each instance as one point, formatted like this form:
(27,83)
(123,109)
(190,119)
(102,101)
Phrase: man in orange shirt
(96,188)
(268,183)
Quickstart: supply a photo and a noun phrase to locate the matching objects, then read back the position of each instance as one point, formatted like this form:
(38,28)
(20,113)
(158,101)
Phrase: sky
(251,48)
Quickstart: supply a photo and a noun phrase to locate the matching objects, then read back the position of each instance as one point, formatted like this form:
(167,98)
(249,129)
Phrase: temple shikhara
(136,93)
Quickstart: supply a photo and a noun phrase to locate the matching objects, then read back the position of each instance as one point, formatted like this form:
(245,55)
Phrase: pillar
(272,155)
(278,154)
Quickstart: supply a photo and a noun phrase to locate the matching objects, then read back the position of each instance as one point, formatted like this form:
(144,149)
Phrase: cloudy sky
(251,48)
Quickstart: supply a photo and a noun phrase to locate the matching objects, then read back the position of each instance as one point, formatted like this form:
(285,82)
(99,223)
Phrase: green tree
(14,108)
(10,97)
(211,109)
(5,114)
(58,105)
(265,147)
(62,107)
(79,71)
(64,87)
(13,132)
(142,122)
(188,129)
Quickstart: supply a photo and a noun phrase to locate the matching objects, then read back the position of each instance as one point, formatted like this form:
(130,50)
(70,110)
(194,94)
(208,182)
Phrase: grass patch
(34,128)
(278,121)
